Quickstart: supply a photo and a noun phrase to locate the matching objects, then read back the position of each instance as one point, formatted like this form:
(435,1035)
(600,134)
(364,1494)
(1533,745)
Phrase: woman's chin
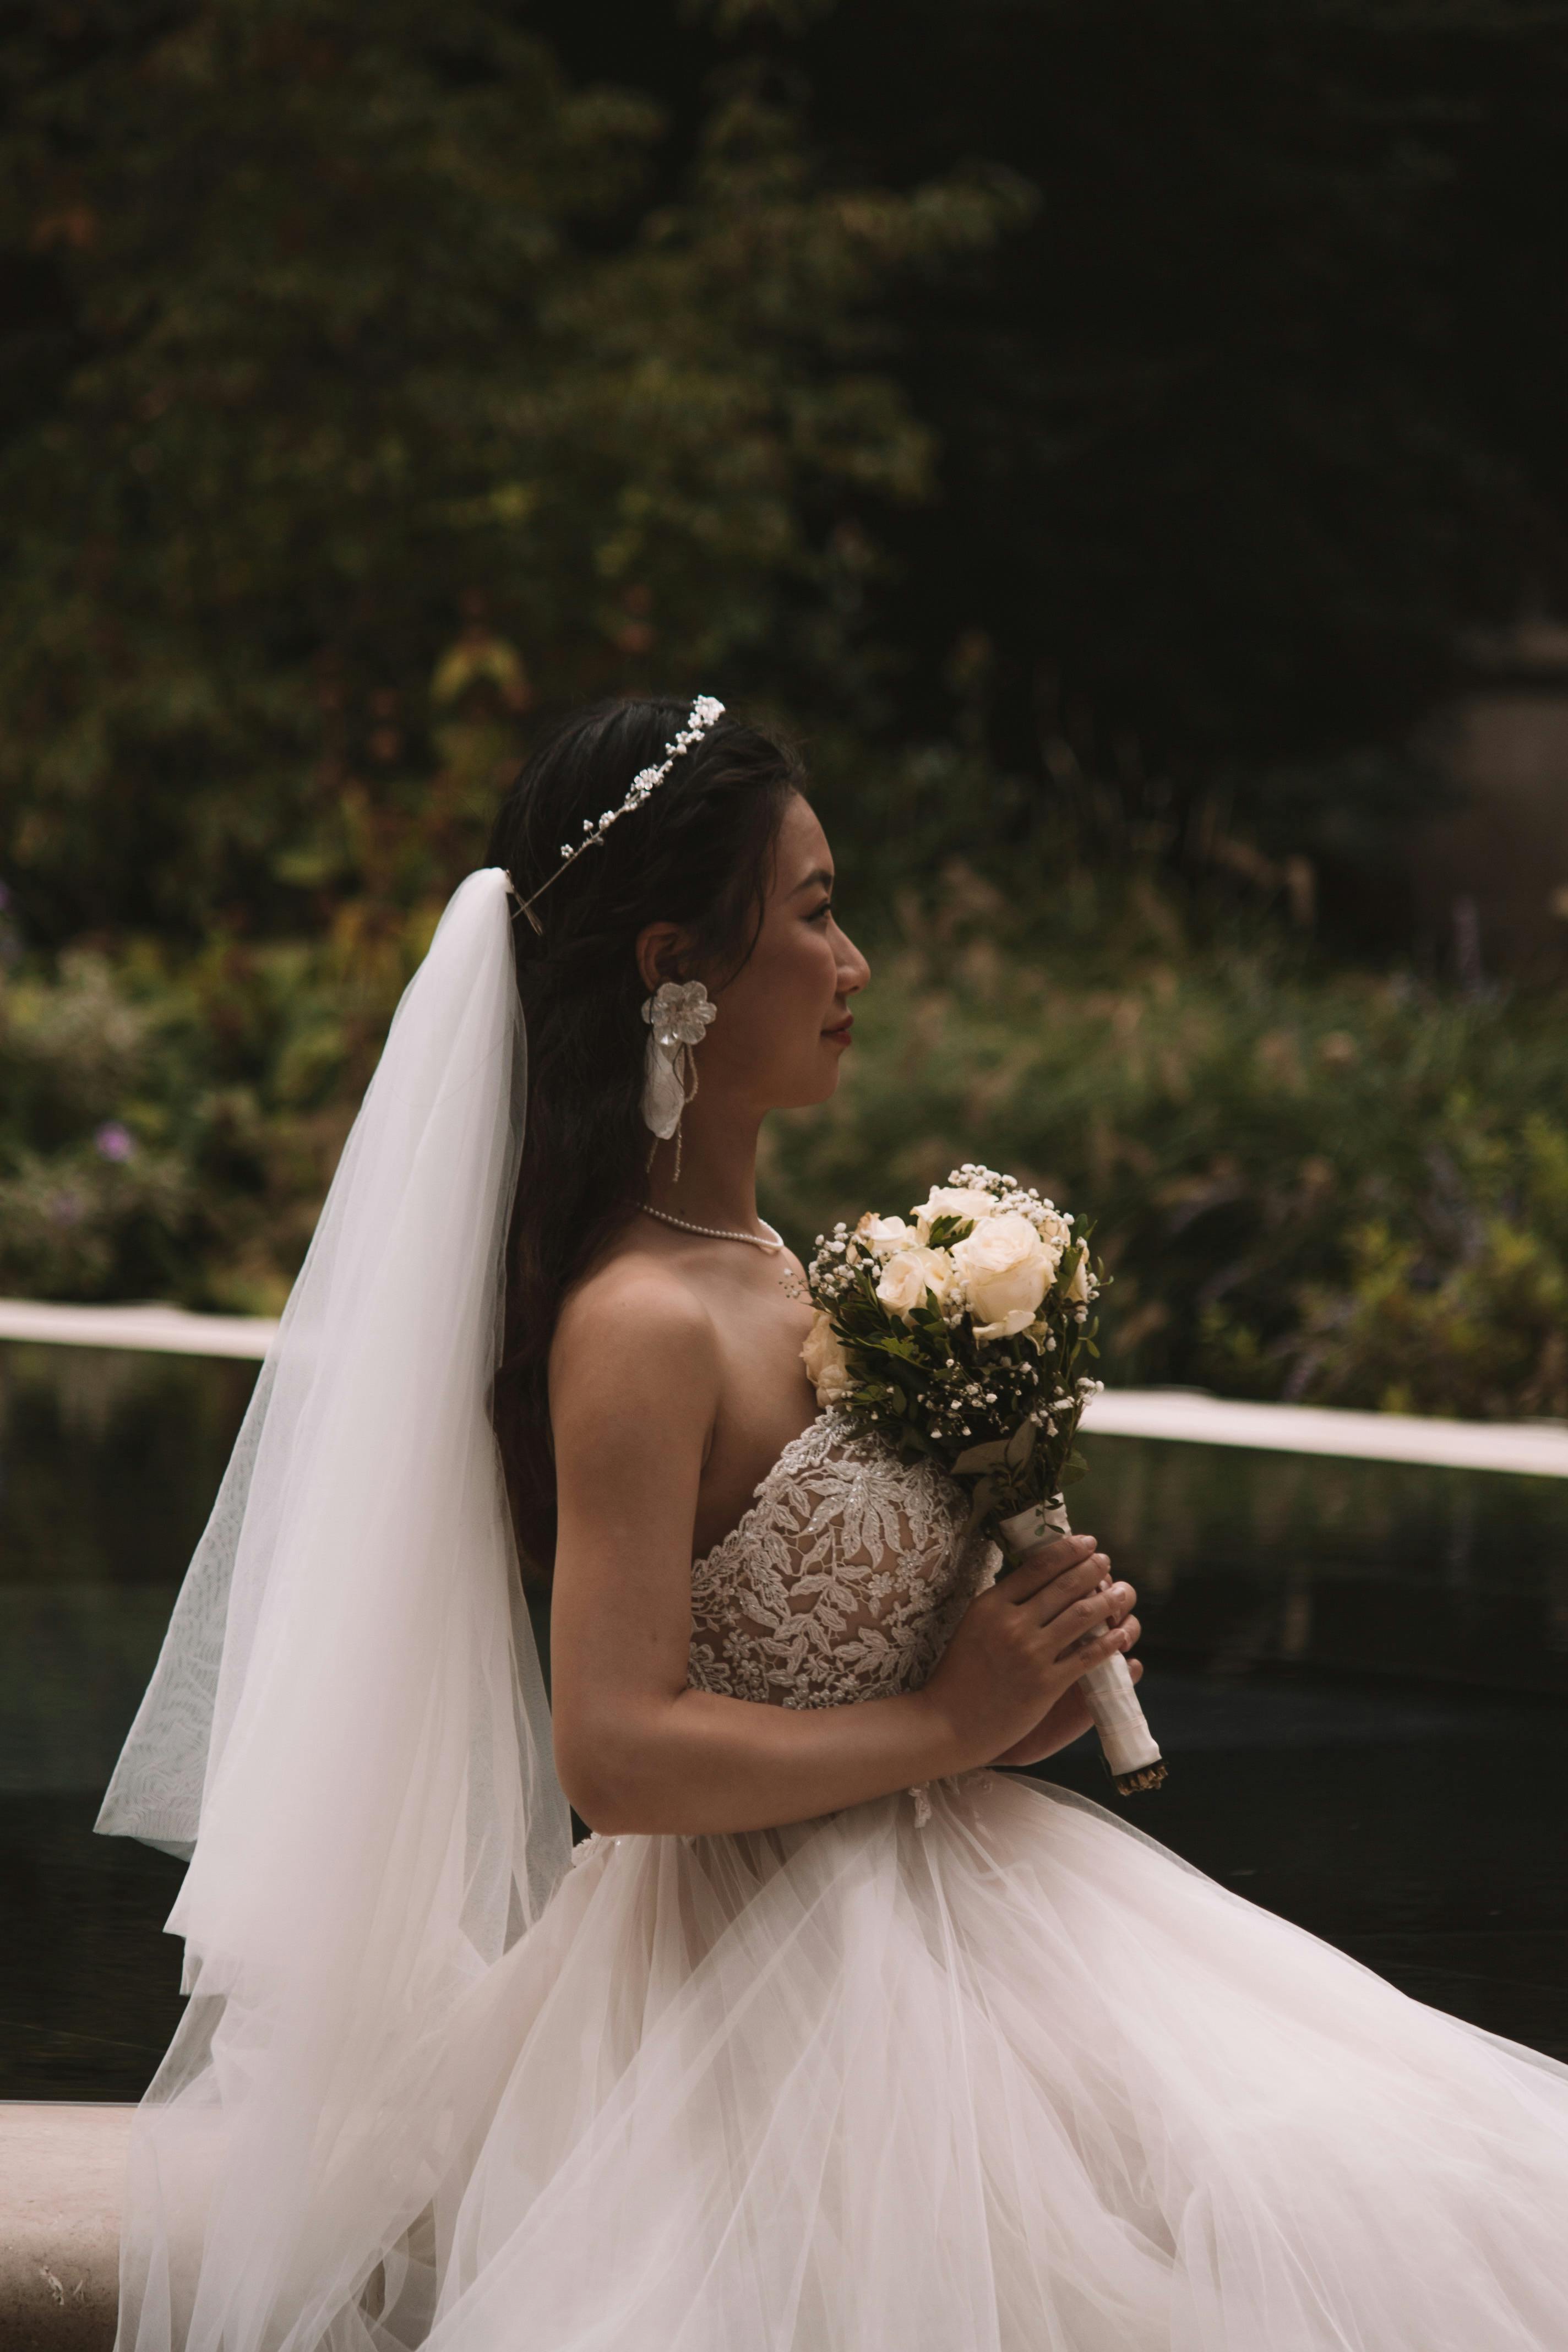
(822,1083)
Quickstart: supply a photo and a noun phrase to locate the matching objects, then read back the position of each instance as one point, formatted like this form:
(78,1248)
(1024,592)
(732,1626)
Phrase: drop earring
(677,1013)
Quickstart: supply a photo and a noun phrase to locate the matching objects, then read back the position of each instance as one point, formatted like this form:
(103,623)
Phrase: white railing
(167,1330)
(1538,1449)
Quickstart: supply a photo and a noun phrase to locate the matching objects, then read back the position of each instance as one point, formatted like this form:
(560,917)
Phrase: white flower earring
(677,1014)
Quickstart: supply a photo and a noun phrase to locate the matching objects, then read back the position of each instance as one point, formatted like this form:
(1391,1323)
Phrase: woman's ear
(659,951)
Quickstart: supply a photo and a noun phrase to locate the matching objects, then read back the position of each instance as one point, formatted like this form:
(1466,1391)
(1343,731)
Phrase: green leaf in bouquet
(946,1230)
(1090,1349)
(1073,1468)
(1015,1453)
(908,1377)
(992,1455)
(913,1439)
(980,1504)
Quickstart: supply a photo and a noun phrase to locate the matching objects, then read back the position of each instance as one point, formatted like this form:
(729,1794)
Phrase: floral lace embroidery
(842,1581)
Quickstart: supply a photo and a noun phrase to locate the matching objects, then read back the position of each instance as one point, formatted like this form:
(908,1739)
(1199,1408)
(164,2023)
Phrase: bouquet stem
(1131,1753)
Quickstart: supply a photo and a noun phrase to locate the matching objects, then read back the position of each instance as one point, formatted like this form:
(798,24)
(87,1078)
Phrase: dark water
(1356,1670)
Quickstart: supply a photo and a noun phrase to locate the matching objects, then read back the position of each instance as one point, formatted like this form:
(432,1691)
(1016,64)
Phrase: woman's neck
(718,1173)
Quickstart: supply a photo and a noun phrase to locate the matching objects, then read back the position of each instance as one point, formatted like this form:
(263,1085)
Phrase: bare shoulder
(634,1340)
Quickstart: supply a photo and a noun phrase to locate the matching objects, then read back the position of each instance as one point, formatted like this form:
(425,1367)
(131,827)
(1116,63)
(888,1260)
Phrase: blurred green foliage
(1333,1186)
(355,390)
(371,388)
(364,403)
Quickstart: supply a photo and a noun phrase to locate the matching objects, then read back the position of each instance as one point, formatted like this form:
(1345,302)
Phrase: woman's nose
(855,974)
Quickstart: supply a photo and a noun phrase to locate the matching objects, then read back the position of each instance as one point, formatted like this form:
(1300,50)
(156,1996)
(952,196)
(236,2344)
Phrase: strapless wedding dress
(972,2068)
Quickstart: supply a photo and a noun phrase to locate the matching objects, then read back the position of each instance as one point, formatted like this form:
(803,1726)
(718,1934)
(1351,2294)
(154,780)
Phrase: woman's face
(782,1022)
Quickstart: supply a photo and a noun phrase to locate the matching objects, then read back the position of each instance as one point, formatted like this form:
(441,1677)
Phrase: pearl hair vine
(704,711)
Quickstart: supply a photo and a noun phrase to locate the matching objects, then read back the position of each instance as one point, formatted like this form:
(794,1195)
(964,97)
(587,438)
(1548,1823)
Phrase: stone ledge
(61,2177)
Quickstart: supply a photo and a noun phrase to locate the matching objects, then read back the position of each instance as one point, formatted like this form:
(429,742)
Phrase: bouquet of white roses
(956,1334)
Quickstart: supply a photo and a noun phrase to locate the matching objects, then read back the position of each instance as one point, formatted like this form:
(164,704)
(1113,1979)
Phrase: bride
(832,2036)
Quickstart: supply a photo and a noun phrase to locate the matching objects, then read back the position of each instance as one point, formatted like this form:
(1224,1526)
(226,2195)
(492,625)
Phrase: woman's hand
(1006,1687)
(1068,1720)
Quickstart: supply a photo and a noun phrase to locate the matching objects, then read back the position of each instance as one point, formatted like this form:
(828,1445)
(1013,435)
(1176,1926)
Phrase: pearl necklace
(717,1232)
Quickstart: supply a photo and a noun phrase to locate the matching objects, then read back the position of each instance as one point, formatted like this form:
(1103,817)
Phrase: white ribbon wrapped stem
(1131,1752)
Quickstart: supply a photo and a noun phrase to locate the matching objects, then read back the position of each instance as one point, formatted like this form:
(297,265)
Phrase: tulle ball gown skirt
(1013,2078)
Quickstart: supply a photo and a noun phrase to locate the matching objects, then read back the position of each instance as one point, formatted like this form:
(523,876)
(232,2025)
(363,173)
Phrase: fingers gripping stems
(1129,1747)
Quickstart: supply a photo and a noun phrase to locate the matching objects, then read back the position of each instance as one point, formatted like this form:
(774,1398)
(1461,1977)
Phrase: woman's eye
(826,908)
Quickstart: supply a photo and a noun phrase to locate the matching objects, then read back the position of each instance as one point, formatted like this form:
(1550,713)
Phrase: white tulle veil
(347,1731)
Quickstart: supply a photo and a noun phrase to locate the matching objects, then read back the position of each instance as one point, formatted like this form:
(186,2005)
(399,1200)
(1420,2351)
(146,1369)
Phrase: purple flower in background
(115,1141)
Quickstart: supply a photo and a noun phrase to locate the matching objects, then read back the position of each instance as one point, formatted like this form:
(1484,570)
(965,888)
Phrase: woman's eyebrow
(821,874)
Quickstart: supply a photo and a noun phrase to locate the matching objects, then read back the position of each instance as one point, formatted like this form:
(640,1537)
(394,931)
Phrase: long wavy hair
(699,852)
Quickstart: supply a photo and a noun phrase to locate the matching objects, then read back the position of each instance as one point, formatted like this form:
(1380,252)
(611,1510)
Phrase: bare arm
(635,1375)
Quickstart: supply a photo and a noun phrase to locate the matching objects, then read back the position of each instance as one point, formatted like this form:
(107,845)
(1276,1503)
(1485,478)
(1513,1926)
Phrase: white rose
(952,1201)
(909,1273)
(1055,1232)
(1078,1288)
(883,1233)
(1016,1318)
(826,1365)
(1006,1268)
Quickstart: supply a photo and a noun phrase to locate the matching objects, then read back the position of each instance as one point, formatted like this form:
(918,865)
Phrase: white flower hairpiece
(702,714)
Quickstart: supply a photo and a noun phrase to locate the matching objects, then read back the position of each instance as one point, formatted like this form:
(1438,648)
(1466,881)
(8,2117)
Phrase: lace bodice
(843,1579)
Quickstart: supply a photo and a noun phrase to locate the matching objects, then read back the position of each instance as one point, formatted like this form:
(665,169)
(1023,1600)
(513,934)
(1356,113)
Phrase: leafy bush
(1337,1186)
(170,1124)
(339,367)
(1325,1185)
(364,395)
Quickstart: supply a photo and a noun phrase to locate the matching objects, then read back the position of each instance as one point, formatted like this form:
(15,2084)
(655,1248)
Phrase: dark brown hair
(699,852)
